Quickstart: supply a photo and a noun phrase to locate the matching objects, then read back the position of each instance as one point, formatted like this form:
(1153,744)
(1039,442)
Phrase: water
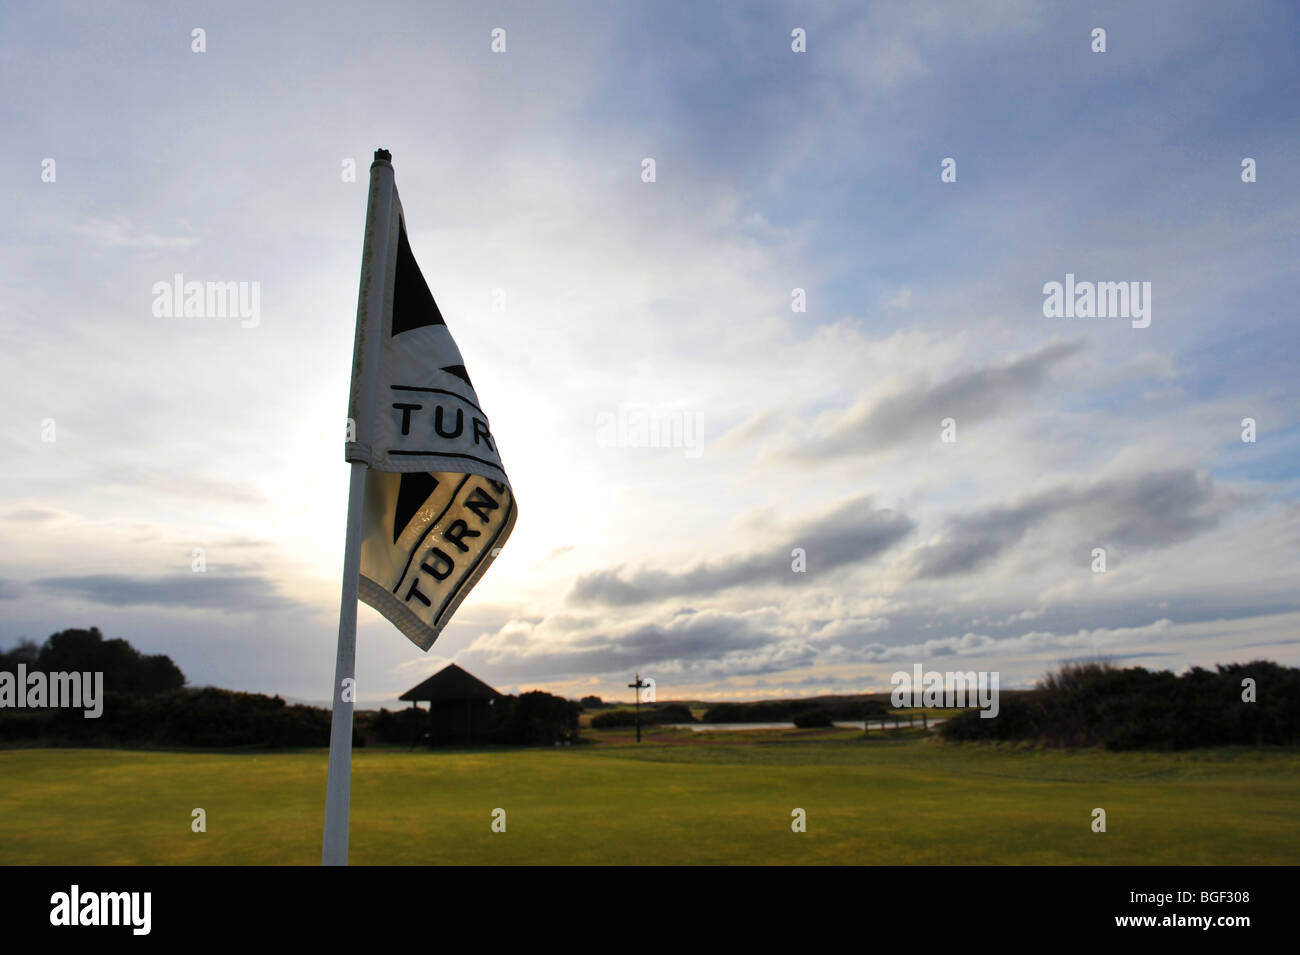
(852,724)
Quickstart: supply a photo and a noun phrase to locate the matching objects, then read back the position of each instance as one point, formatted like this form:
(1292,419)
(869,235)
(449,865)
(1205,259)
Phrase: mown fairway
(726,798)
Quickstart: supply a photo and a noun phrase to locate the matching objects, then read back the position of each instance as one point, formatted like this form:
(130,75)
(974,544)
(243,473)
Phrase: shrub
(781,711)
(810,719)
(540,718)
(407,725)
(1098,704)
(650,716)
(207,717)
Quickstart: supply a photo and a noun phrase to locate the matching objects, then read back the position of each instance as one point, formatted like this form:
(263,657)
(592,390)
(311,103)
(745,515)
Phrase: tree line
(536,718)
(1097,704)
(146,703)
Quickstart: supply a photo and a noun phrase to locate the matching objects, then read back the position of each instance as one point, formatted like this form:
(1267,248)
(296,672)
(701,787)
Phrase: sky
(781,420)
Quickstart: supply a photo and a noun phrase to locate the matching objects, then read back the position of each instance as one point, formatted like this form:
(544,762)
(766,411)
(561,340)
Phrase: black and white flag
(438,506)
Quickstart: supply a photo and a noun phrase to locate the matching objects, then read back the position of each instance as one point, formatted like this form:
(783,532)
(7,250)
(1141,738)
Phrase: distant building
(460,705)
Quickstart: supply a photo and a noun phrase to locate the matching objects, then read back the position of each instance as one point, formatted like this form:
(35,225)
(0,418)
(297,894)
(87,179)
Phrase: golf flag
(437,507)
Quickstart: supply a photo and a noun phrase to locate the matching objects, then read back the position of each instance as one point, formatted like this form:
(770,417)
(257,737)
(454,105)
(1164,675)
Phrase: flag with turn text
(438,506)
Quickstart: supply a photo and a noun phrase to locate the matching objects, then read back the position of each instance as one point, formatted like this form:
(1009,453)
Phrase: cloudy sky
(787,438)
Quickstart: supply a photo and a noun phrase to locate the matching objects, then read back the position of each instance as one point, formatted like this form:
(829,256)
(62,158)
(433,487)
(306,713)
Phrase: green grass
(675,799)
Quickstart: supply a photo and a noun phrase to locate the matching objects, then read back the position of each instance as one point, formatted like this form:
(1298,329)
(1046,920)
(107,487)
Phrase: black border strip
(448,454)
(473,571)
(440,391)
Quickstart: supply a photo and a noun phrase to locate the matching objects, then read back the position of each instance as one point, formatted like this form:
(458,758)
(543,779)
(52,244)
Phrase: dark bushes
(530,719)
(125,669)
(533,719)
(812,719)
(785,711)
(401,726)
(207,717)
(1097,704)
(145,702)
(651,715)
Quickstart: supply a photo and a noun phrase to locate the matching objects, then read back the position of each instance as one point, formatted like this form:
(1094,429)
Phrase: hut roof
(451,683)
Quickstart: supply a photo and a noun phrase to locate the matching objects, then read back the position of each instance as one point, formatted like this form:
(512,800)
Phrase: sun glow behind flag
(438,506)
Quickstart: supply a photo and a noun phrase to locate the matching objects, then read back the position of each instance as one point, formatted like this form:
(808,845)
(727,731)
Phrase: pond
(853,724)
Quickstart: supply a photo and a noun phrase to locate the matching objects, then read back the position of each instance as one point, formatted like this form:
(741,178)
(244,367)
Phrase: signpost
(638,686)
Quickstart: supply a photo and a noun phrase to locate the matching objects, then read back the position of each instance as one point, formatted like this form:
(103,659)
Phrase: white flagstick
(338,790)
(370,310)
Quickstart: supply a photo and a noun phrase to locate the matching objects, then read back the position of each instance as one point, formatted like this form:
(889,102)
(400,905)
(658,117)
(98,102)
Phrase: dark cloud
(914,414)
(1154,509)
(715,645)
(207,591)
(698,644)
(851,533)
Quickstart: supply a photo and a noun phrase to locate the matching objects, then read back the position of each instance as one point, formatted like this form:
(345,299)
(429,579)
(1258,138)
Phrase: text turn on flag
(438,505)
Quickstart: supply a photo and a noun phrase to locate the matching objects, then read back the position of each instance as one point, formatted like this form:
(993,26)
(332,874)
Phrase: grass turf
(677,798)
